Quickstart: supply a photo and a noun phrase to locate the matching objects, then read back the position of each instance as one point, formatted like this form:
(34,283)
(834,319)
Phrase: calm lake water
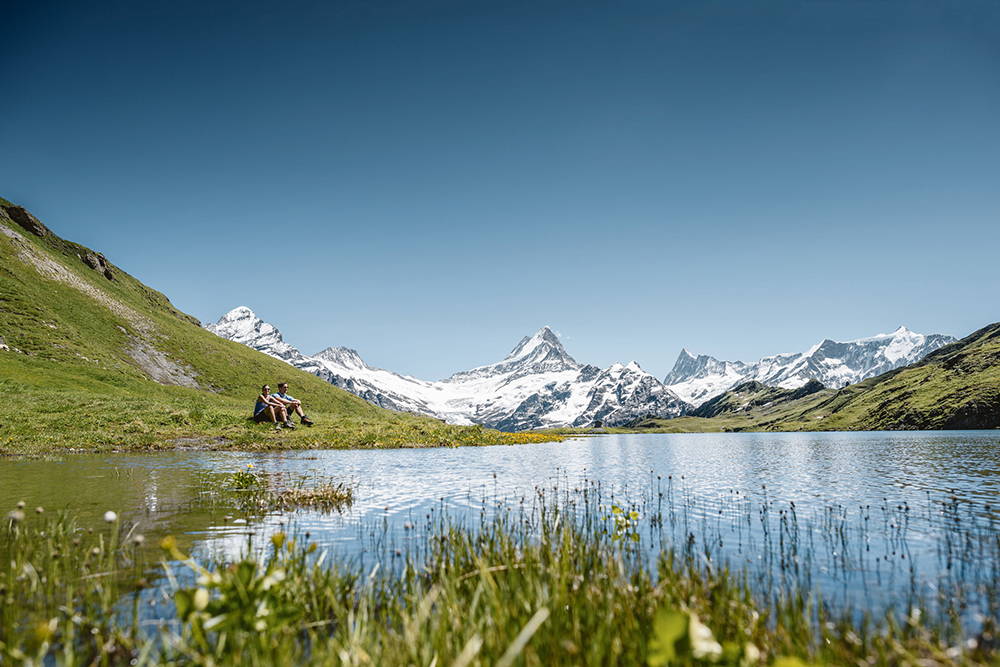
(865,519)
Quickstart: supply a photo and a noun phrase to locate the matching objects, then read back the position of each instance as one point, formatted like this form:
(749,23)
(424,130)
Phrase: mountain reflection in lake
(866,519)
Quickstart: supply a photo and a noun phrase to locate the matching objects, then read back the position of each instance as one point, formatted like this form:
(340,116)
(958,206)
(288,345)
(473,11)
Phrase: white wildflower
(703,644)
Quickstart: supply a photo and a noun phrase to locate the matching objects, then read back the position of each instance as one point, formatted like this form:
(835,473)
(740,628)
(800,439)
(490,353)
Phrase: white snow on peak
(537,384)
(544,338)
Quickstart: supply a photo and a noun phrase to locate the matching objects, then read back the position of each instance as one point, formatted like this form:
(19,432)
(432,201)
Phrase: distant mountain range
(537,385)
(697,379)
(954,387)
(540,385)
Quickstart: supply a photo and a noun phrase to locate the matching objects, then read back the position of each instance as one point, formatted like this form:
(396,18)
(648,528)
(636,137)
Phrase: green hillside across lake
(92,359)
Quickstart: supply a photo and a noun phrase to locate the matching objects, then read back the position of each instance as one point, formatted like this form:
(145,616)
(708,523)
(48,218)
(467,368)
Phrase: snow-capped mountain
(537,385)
(697,379)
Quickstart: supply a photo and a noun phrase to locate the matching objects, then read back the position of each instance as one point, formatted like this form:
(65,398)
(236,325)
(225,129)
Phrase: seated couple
(278,408)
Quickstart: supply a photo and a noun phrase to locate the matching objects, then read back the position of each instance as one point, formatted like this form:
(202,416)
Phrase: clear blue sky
(429,181)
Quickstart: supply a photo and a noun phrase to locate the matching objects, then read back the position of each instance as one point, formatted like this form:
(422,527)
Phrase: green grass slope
(92,359)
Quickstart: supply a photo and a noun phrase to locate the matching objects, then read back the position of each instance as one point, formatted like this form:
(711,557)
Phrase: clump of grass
(255,491)
(328,496)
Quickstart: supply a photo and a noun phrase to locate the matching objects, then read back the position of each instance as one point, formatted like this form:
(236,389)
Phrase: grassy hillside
(955,387)
(92,359)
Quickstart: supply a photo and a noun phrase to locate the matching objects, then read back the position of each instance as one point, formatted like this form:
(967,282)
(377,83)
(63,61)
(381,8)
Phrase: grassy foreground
(543,589)
(93,360)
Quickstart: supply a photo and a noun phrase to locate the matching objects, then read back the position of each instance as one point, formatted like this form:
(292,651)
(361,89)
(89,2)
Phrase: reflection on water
(890,491)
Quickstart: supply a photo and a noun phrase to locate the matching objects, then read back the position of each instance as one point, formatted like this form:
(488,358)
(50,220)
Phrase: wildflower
(278,540)
(20,505)
(213,579)
(96,551)
(703,644)
(45,630)
(16,516)
(110,517)
(273,578)
(39,510)
(138,539)
(201,599)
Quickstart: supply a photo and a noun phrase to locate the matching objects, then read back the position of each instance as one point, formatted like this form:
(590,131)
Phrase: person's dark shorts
(262,416)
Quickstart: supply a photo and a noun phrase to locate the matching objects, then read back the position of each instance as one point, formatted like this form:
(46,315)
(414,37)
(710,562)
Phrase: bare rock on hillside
(98,262)
(159,367)
(26,220)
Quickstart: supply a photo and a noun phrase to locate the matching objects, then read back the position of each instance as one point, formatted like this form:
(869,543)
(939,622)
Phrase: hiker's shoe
(289,423)
(277,427)
(308,422)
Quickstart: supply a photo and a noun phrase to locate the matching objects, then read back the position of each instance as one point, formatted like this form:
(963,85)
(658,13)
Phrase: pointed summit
(543,338)
(242,325)
(239,324)
(342,356)
(541,352)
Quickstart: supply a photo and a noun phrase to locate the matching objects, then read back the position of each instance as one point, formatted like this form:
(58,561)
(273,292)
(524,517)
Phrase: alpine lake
(860,523)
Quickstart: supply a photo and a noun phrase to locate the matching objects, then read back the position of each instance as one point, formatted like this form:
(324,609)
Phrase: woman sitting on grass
(269,408)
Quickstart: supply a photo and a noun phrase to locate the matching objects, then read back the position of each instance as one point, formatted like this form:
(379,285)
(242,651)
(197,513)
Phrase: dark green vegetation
(955,387)
(93,360)
(752,395)
(530,587)
(254,491)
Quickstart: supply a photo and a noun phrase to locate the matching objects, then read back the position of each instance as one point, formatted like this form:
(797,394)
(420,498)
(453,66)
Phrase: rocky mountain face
(834,364)
(537,385)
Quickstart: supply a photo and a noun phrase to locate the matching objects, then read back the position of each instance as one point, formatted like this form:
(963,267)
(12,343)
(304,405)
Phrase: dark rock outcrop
(97,262)
(26,220)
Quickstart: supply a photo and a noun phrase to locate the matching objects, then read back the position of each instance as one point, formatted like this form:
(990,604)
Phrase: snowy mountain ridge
(537,385)
(540,385)
(697,379)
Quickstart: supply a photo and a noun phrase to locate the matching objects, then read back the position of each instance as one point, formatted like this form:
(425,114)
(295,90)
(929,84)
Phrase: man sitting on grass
(269,408)
(291,405)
